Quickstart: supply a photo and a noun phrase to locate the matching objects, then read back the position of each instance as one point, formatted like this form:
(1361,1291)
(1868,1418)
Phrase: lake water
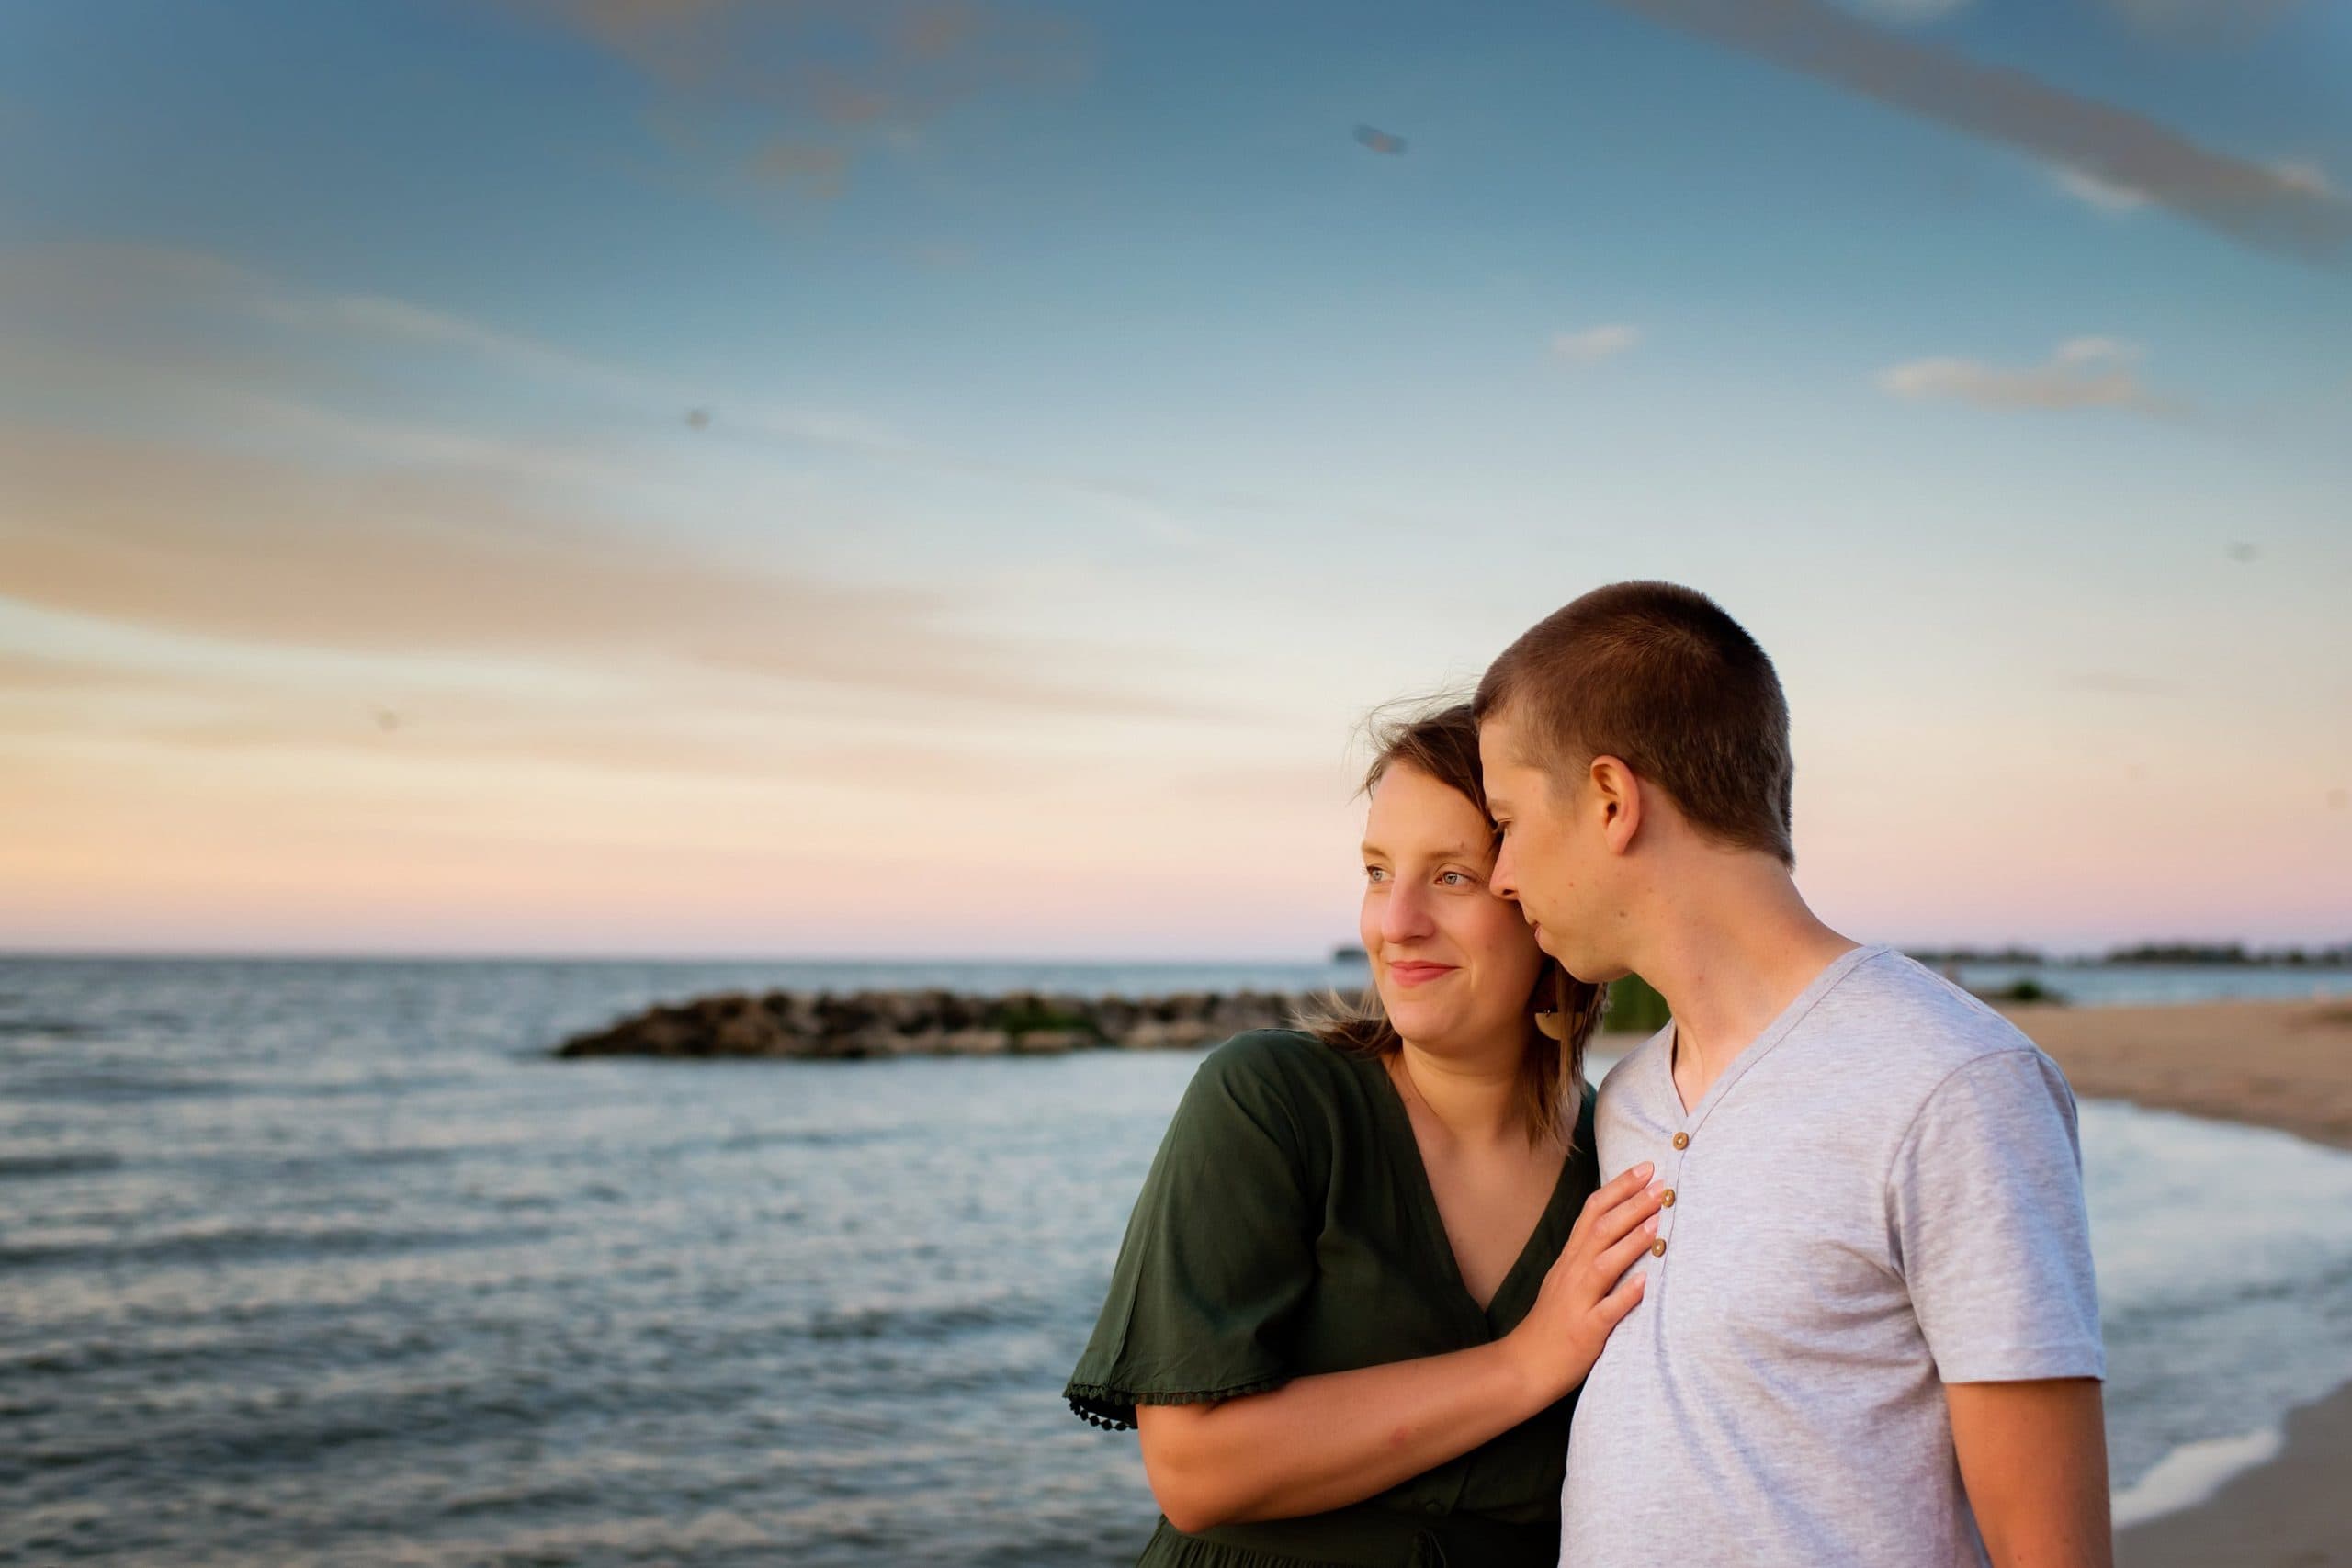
(325,1261)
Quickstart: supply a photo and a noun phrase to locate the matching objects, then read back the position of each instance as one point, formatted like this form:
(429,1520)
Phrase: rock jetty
(823,1026)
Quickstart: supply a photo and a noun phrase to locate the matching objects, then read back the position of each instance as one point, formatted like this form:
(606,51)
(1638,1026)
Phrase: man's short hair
(1657,674)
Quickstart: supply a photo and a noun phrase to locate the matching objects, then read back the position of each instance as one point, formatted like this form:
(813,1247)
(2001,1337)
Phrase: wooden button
(1681,1140)
(1657,1248)
(1666,1199)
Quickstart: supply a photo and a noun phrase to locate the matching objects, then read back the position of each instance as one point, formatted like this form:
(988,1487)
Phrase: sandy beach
(2274,1064)
(2286,1065)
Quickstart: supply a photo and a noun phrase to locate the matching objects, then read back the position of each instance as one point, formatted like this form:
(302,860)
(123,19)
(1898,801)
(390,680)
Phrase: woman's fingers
(1605,1198)
(1611,1308)
(1614,1260)
(1610,1193)
(1626,1213)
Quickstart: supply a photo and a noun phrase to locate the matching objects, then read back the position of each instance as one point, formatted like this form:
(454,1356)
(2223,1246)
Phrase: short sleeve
(1990,1228)
(1219,1252)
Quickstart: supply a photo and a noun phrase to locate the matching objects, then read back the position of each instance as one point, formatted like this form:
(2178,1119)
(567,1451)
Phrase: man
(1869,1333)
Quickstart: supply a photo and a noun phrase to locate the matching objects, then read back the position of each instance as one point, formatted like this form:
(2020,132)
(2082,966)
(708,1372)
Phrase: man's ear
(1617,795)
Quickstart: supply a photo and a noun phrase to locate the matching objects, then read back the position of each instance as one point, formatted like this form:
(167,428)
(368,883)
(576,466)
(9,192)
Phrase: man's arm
(2033,1457)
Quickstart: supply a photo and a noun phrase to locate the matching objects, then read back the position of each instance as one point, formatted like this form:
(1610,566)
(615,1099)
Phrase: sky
(914,479)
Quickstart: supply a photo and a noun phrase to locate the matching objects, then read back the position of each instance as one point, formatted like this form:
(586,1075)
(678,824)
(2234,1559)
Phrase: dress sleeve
(1987,1200)
(1219,1252)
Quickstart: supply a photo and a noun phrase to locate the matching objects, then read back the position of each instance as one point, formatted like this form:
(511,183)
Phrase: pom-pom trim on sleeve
(1101,1407)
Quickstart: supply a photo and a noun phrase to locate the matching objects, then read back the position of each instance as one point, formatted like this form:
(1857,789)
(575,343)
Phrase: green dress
(1287,1227)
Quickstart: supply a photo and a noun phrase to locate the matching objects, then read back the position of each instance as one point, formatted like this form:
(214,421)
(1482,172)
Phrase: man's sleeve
(1990,1231)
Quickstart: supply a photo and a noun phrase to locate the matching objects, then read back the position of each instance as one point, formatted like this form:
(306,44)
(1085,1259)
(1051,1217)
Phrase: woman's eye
(1455,878)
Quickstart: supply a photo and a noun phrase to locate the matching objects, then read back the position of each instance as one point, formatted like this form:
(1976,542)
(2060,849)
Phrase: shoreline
(2267,1064)
(2283,1513)
(2247,1499)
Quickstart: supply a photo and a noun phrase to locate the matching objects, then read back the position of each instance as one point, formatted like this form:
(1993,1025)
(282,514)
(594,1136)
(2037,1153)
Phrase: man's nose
(1503,880)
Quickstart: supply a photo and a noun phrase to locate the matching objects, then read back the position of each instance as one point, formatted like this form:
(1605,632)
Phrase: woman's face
(1453,963)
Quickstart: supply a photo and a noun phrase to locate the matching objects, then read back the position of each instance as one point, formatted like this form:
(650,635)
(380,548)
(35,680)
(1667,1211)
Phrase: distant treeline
(2227,953)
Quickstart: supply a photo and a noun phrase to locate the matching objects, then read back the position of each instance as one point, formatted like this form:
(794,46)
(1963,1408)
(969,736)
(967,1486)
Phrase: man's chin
(1581,966)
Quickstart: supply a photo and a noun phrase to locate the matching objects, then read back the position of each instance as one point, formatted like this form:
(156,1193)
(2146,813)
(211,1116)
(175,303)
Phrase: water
(324,1261)
(2122,984)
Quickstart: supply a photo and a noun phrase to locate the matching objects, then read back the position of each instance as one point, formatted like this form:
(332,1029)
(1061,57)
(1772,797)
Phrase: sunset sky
(916,480)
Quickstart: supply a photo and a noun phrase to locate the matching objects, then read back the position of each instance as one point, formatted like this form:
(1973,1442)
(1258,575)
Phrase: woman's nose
(1405,914)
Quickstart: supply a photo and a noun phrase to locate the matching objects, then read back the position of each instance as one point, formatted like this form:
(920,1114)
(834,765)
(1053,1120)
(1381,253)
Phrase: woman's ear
(1617,797)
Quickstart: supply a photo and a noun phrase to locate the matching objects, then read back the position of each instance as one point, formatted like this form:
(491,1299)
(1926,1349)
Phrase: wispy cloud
(1909,13)
(46,289)
(2101,196)
(2082,372)
(392,320)
(1593,343)
(2248,201)
(2202,21)
(2113,199)
(814,167)
(248,550)
(817,80)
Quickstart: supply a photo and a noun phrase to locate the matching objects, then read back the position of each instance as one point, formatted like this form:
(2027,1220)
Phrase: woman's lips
(1417,974)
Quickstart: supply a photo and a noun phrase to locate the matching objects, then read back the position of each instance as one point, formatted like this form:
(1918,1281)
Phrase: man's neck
(1737,946)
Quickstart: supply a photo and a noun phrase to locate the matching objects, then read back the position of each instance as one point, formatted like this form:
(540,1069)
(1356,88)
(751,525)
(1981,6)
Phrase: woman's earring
(1553,1024)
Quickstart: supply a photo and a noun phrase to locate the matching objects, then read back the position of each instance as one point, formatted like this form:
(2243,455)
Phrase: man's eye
(1373,874)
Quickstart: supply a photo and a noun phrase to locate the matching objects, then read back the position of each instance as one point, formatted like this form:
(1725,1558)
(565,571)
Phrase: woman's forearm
(1324,1441)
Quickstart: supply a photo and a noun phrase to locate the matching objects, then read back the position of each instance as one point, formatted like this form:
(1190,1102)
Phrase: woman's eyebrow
(1450,852)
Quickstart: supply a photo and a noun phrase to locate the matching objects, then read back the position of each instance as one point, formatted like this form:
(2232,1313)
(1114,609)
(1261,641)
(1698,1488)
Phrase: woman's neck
(1473,1095)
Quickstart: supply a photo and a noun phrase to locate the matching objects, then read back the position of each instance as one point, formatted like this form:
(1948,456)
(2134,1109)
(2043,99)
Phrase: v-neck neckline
(1424,1192)
(1783,1023)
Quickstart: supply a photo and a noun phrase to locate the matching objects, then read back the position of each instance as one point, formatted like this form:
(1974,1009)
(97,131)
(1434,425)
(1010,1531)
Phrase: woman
(1369,1269)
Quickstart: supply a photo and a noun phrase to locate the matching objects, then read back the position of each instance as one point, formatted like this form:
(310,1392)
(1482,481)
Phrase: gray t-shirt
(1881,1195)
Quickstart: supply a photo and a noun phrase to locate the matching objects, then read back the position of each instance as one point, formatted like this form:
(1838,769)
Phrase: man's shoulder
(1891,1037)
(1892,998)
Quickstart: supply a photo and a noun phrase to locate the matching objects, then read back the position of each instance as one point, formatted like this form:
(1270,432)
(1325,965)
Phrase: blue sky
(1087,429)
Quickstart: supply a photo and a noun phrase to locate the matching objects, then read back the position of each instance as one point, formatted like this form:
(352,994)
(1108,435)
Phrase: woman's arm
(1323,1441)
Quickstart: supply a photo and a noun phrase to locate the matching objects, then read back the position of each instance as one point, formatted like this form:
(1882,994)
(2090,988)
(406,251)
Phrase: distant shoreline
(2150,954)
(2271,1064)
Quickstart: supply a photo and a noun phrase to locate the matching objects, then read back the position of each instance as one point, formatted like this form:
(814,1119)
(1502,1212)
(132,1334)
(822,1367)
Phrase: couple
(1811,1273)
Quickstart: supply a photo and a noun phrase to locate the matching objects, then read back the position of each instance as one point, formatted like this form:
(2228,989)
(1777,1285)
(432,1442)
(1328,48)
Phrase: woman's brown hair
(1444,745)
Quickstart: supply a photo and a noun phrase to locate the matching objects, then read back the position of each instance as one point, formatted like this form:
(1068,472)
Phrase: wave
(810,1137)
(921,1323)
(254,1244)
(14,1167)
(53,1028)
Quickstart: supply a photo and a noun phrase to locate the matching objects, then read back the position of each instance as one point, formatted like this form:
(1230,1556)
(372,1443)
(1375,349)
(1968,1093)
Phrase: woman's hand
(1332,1439)
(1588,1289)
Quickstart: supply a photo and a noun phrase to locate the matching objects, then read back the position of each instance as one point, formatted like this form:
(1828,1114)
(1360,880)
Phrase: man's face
(1553,861)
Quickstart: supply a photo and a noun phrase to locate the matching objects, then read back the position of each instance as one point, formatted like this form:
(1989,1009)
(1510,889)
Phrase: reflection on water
(327,1262)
